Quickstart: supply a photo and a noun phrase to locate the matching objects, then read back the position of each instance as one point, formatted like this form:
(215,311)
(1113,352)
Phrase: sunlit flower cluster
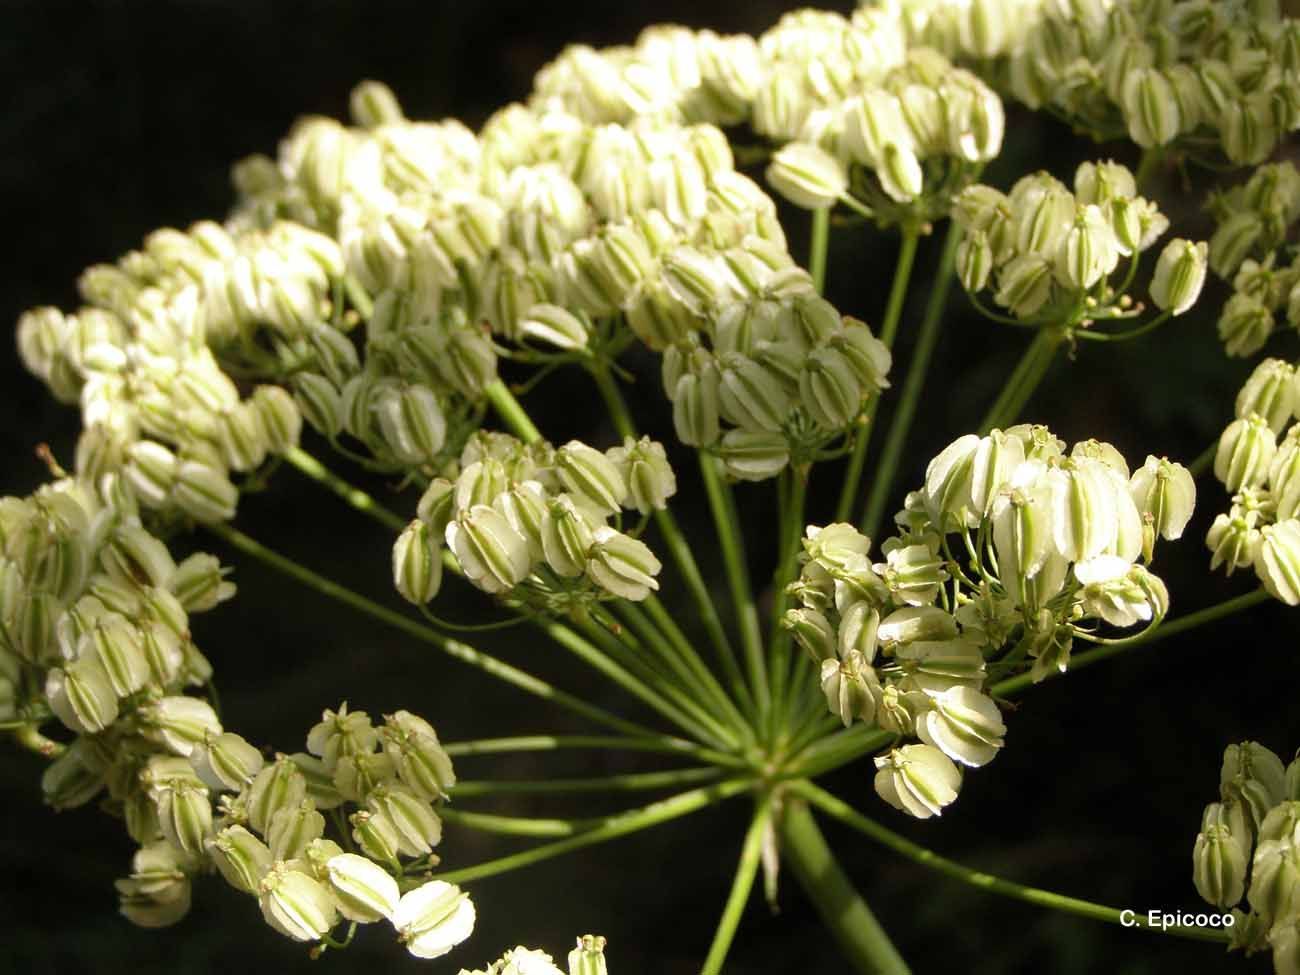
(1049,546)
(531,522)
(1249,846)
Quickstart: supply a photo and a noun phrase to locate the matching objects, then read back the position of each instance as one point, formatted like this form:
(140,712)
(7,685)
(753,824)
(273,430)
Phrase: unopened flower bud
(644,466)
(417,826)
(417,564)
(157,893)
(320,403)
(850,686)
(240,857)
(622,565)
(920,780)
(278,786)
(829,389)
(1165,493)
(813,632)
(555,326)
(695,410)
(74,778)
(1275,879)
(135,557)
(1245,452)
(419,758)
(974,261)
(185,815)
(1024,284)
(807,176)
(1244,325)
(117,644)
(341,734)
(588,958)
(1234,540)
(281,419)
(589,474)
(1277,562)
(226,762)
(178,723)
(754,455)
(1271,392)
(1150,108)
(1253,776)
(493,555)
(1220,855)
(82,696)
(1179,275)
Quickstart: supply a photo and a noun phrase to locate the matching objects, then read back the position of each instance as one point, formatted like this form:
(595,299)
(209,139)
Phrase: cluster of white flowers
(1258,460)
(588,958)
(530,522)
(1047,254)
(1249,249)
(1259,811)
(1050,545)
(1216,78)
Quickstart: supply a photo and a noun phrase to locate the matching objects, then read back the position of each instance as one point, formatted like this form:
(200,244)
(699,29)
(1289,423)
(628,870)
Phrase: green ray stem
(751,852)
(547,743)
(846,814)
(888,329)
(627,782)
(308,465)
(610,828)
(927,338)
(722,502)
(454,648)
(819,244)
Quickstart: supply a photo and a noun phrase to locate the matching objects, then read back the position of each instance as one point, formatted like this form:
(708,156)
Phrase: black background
(124,117)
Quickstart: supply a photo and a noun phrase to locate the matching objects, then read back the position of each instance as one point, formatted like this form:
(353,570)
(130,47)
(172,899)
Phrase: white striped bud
(417,564)
(1179,275)
(807,176)
(919,780)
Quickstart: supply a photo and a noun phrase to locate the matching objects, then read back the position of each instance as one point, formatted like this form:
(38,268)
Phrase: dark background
(125,117)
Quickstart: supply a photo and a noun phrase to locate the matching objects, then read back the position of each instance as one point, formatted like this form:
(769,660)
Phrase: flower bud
(813,632)
(417,564)
(1024,285)
(278,786)
(199,583)
(964,724)
(433,919)
(1234,241)
(365,892)
(151,471)
(185,815)
(135,557)
(588,958)
(1277,562)
(1275,879)
(1244,325)
(240,857)
(1089,251)
(419,758)
(829,389)
(752,455)
(622,565)
(869,357)
(555,326)
(974,261)
(320,403)
(1234,540)
(417,826)
(82,696)
(1271,392)
(74,778)
(204,493)
(920,780)
(412,423)
(1245,452)
(280,418)
(437,505)
(293,829)
(567,536)
(1253,776)
(341,734)
(850,686)
(644,466)
(1281,822)
(807,176)
(178,723)
(695,410)
(117,645)
(1150,108)
(751,396)
(913,574)
(935,666)
(492,554)
(226,762)
(948,482)
(242,437)
(1219,856)
(1179,275)
(590,475)
(295,904)
(157,893)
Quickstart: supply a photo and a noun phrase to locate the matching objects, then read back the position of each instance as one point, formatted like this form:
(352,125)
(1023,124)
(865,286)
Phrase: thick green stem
(888,329)
(751,853)
(678,547)
(454,648)
(516,825)
(628,782)
(511,412)
(1026,376)
(730,540)
(609,828)
(846,814)
(859,935)
(927,338)
(818,246)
